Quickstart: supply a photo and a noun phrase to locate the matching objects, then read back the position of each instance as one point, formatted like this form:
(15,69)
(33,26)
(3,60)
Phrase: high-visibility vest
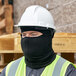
(57,68)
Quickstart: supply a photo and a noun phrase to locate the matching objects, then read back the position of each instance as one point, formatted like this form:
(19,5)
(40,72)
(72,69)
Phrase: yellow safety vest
(57,68)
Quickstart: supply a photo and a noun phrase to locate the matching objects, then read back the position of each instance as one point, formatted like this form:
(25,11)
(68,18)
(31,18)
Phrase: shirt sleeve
(71,71)
(3,72)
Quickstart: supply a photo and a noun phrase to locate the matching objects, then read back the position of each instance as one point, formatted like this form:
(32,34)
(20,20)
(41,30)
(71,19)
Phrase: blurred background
(64,13)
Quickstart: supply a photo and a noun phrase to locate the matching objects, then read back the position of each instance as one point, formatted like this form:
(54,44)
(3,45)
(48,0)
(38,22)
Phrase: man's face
(31,34)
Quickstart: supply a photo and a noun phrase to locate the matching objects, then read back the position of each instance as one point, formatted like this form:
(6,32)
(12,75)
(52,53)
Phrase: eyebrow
(30,32)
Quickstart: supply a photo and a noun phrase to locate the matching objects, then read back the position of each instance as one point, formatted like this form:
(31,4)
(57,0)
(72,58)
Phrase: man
(37,30)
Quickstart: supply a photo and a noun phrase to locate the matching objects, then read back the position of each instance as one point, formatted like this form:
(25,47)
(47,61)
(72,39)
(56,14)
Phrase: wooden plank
(64,35)
(2,10)
(9,20)
(17,46)
(13,35)
(2,24)
(1,14)
(6,43)
(6,51)
(64,45)
(1,31)
(1,59)
(6,11)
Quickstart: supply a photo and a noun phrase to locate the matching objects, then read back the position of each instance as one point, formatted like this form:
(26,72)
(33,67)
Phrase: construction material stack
(6,27)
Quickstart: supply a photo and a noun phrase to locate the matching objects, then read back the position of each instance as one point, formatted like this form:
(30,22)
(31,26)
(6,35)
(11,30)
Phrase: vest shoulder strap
(12,67)
(57,68)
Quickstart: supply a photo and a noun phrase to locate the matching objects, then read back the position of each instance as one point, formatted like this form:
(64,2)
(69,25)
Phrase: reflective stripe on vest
(12,67)
(57,68)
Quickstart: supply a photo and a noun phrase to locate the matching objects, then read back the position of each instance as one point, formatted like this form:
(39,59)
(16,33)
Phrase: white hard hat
(36,15)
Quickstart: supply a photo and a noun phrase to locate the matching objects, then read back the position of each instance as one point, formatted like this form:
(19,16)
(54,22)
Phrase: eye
(34,34)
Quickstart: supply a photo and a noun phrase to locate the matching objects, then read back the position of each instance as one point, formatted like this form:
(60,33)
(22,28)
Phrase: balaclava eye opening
(38,51)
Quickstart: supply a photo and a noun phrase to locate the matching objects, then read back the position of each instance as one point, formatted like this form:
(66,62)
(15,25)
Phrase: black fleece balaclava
(38,51)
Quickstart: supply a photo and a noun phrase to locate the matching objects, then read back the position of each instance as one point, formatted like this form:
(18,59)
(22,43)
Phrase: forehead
(31,32)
